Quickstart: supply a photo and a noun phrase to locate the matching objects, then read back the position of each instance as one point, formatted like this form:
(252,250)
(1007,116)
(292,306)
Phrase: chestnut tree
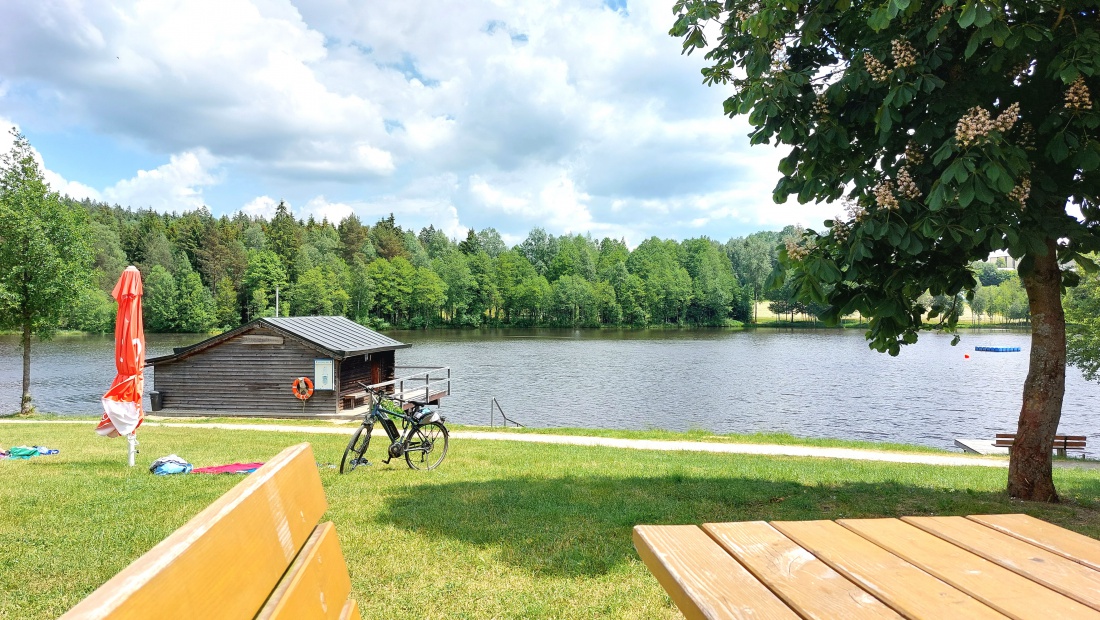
(944,130)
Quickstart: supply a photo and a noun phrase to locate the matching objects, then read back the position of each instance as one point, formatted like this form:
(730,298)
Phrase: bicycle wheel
(357,447)
(427,446)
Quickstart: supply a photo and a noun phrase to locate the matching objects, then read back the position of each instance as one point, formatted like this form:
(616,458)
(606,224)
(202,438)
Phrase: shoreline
(786,450)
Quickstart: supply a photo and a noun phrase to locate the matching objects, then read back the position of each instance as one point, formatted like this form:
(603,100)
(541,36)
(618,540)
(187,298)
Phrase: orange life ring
(298,393)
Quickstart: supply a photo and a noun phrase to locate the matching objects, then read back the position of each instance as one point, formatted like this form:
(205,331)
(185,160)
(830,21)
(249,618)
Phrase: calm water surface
(816,383)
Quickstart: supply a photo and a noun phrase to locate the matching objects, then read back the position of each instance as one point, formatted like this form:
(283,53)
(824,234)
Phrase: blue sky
(577,116)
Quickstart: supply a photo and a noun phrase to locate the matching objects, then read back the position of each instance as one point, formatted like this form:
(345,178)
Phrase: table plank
(703,580)
(1010,593)
(1072,579)
(904,587)
(804,582)
(1077,547)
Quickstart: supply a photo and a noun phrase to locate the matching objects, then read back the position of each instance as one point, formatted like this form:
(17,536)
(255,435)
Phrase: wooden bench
(352,399)
(256,552)
(1062,443)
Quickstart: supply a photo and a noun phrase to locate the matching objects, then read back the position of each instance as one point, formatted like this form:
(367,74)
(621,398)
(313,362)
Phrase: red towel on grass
(235,468)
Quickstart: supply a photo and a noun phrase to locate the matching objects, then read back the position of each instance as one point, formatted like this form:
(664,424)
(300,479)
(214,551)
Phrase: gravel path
(638,444)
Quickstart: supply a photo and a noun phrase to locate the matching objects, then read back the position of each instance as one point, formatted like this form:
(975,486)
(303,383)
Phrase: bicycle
(422,438)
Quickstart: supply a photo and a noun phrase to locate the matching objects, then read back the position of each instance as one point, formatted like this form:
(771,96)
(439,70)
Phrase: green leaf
(926,228)
(787,166)
(966,194)
(969,12)
(982,192)
(1057,148)
(1069,74)
(1089,158)
(879,20)
(1086,264)
(935,197)
(972,45)
(895,235)
(886,121)
(982,16)
(993,171)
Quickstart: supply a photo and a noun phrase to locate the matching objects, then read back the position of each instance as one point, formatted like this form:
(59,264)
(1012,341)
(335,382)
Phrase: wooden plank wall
(238,378)
(353,370)
(357,368)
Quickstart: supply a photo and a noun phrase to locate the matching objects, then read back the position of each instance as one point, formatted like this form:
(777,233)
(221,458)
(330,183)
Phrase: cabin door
(375,371)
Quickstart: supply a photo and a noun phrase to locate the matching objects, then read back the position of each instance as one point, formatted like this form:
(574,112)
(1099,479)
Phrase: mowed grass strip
(500,530)
(785,439)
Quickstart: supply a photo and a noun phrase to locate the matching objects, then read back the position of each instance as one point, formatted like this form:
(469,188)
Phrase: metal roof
(341,336)
(335,335)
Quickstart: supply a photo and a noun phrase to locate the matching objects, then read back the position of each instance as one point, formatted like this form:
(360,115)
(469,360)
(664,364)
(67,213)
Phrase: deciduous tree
(1083,315)
(45,259)
(947,130)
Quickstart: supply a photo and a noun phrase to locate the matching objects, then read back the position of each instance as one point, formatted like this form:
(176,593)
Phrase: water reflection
(819,383)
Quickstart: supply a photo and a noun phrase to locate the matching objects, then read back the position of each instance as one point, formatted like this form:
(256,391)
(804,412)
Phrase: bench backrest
(257,551)
(1064,442)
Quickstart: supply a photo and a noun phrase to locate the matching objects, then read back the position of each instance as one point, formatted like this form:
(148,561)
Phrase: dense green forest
(204,273)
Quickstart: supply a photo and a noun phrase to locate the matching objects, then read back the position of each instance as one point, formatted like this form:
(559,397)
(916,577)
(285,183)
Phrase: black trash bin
(156,401)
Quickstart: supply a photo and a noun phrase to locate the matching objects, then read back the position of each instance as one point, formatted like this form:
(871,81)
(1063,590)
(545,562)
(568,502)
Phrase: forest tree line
(205,273)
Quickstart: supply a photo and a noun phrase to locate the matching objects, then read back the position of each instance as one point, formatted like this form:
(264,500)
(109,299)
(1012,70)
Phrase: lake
(812,383)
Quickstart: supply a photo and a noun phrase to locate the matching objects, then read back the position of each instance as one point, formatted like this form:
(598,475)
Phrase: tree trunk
(25,402)
(1029,471)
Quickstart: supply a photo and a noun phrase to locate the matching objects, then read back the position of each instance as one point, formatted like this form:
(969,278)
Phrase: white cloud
(73,189)
(261,206)
(56,182)
(322,209)
(564,115)
(175,186)
(496,199)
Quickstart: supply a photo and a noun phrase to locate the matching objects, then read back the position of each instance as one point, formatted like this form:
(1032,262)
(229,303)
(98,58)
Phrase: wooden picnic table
(981,566)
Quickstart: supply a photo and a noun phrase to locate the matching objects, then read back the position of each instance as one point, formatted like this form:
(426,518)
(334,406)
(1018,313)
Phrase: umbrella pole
(132,440)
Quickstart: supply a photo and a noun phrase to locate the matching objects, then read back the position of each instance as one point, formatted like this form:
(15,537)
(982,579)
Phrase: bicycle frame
(382,414)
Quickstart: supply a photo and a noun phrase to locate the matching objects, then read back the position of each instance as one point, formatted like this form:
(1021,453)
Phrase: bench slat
(350,611)
(804,582)
(723,589)
(316,585)
(977,576)
(224,562)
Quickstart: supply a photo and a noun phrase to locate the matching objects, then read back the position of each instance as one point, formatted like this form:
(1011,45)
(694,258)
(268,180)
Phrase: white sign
(322,374)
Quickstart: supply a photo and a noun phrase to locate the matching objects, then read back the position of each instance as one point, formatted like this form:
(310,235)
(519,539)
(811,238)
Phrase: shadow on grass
(582,526)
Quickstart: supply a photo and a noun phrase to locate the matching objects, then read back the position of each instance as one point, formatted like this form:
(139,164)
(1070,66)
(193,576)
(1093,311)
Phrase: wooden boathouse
(251,370)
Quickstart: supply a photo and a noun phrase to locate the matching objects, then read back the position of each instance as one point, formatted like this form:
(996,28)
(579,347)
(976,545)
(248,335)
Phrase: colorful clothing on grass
(235,468)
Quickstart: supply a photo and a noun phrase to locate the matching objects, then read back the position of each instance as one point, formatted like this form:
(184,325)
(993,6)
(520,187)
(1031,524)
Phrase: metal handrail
(426,376)
(492,421)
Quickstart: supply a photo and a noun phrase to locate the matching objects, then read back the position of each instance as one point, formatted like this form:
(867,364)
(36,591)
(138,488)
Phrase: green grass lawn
(501,529)
(693,435)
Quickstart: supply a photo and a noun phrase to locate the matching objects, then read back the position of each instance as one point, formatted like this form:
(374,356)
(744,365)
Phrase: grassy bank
(502,529)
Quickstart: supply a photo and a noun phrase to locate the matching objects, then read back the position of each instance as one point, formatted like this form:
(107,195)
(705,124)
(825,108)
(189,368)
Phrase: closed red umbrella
(122,412)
